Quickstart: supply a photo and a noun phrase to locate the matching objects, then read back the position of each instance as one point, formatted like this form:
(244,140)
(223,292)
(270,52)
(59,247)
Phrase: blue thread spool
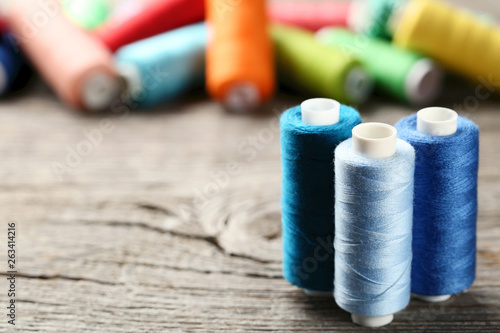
(309,135)
(163,67)
(445,208)
(10,65)
(373,221)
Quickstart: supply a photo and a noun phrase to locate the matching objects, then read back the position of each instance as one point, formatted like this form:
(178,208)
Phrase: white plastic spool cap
(358,85)
(132,76)
(316,293)
(359,15)
(242,97)
(368,321)
(437,121)
(320,111)
(433,299)
(424,82)
(99,91)
(374,140)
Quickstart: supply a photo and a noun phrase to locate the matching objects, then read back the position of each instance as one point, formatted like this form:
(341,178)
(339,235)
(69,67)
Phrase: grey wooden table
(168,220)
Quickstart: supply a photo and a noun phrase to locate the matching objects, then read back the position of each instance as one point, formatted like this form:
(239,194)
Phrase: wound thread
(373,218)
(308,15)
(445,207)
(162,68)
(239,53)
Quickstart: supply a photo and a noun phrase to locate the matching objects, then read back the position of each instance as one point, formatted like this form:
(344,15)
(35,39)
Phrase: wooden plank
(124,242)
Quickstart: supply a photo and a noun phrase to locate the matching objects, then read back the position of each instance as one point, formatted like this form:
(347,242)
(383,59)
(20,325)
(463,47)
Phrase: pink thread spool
(310,15)
(78,67)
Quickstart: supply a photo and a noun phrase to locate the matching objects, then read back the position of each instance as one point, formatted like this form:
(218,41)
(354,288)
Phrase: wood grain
(124,242)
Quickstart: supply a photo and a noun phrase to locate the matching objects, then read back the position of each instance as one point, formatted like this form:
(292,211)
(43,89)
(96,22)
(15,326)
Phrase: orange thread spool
(75,65)
(240,62)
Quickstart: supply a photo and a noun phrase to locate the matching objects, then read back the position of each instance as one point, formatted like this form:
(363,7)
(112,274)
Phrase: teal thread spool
(314,69)
(88,14)
(406,75)
(163,67)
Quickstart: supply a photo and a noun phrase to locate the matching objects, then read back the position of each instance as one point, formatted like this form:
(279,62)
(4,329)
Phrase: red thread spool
(149,19)
(309,15)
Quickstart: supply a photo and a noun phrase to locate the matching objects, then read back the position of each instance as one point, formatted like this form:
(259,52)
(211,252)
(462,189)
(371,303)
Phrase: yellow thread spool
(454,37)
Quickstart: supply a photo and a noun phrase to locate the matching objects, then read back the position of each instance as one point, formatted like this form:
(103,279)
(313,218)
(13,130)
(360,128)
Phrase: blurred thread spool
(445,207)
(75,65)
(88,14)
(309,67)
(148,19)
(373,224)
(373,17)
(310,16)
(309,134)
(401,73)
(240,63)
(459,40)
(10,65)
(163,67)
(3,25)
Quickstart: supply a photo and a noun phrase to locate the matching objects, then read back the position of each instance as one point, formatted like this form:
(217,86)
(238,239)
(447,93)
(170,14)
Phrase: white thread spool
(436,121)
(375,141)
(320,112)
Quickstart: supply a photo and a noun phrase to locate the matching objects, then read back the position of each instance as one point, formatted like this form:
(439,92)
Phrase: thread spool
(443,32)
(311,68)
(309,134)
(401,73)
(445,208)
(10,66)
(75,65)
(88,14)
(373,218)
(240,63)
(163,67)
(148,19)
(310,16)
(373,17)
(3,25)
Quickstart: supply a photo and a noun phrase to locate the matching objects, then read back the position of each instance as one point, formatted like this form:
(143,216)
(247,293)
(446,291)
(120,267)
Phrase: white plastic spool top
(424,82)
(374,140)
(358,85)
(99,90)
(437,121)
(242,97)
(320,111)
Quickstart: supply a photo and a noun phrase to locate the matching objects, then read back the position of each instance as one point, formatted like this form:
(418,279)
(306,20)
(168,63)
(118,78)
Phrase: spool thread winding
(456,38)
(445,207)
(308,195)
(239,50)
(165,66)
(373,221)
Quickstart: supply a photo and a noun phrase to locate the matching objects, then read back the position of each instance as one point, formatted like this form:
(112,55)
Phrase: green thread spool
(309,67)
(373,17)
(88,14)
(400,73)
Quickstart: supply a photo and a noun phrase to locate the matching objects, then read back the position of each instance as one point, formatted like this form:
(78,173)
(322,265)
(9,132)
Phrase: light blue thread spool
(373,224)
(163,67)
